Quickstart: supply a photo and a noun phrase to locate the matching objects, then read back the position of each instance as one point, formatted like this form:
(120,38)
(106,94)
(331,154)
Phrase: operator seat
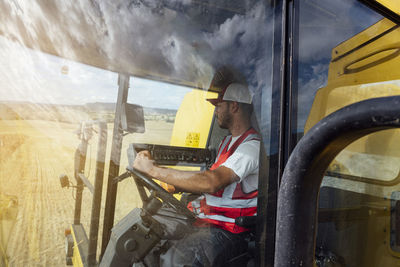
(246,258)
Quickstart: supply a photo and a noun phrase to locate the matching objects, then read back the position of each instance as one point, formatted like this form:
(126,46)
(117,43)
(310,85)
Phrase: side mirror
(132,119)
(64,181)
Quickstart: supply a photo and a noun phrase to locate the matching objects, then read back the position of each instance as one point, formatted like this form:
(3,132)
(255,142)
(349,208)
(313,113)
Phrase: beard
(225,120)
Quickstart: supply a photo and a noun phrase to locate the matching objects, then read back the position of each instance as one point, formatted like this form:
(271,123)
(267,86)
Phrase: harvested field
(32,156)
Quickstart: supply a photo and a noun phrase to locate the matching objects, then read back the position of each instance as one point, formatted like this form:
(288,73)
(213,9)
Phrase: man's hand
(143,162)
(169,188)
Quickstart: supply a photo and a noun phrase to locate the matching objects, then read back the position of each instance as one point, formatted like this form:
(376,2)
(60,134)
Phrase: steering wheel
(147,181)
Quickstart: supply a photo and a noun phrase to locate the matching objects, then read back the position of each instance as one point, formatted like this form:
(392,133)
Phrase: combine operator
(228,188)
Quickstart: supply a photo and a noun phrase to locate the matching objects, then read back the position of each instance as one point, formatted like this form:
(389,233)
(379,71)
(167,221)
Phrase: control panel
(173,155)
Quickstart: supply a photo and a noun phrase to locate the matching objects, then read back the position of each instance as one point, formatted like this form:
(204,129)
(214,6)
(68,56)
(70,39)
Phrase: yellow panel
(328,101)
(393,5)
(193,120)
(369,57)
(192,123)
(361,38)
(76,256)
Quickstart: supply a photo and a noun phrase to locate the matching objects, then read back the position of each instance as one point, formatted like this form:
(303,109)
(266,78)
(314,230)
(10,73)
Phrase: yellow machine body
(362,67)
(393,5)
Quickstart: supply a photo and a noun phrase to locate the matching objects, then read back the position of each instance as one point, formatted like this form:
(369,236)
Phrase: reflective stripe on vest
(221,208)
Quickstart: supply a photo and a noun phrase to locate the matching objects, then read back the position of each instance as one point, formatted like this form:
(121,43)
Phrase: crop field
(33,154)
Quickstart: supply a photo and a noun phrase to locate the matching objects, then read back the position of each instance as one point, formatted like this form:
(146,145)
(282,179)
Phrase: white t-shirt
(244,163)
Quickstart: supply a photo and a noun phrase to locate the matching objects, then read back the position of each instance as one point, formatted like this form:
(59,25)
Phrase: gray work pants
(203,247)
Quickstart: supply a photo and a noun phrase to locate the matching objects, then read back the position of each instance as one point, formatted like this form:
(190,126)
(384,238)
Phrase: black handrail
(303,174)
(97,191)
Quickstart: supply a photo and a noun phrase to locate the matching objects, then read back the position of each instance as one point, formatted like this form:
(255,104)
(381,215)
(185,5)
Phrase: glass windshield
(160,102)
(68,74)
(43,100)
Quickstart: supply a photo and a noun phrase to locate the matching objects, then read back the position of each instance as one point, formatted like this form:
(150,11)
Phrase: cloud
(306,98)
(177,41)
(155,94)
(324,26)
(172,39)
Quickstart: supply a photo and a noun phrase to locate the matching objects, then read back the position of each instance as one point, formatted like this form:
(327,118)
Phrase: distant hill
(101,106)
(159,111)
(39,111)
(71,113)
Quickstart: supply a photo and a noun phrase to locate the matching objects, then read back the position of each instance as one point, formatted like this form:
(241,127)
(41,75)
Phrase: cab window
(354,57)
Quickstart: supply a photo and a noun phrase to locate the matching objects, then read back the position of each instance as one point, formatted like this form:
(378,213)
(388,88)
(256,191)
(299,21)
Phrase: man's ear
(234,106)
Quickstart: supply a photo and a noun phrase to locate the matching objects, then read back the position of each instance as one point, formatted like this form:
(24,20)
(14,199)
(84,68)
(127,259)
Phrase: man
(228,188)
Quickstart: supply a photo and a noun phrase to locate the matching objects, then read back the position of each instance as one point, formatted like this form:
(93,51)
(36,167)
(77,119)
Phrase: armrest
(246,221)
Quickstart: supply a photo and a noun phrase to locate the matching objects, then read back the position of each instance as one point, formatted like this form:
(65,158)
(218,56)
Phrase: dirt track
(32,156)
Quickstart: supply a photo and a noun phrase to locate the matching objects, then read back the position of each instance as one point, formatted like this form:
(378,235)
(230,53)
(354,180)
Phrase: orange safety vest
(223,207)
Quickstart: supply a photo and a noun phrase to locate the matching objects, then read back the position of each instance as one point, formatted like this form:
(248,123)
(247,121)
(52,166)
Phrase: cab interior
(353,57)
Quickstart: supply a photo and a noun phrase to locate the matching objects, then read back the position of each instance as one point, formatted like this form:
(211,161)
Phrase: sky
(29,75)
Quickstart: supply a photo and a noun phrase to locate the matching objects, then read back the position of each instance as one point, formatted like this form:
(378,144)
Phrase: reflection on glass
(354,57)
(361,67)
(377,167)
(335,22)
(61,68)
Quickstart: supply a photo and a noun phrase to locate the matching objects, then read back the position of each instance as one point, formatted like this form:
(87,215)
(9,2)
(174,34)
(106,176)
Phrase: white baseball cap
(236,92)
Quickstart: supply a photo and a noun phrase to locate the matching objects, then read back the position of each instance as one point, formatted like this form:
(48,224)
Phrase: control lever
(122,177)
(131,153)
(131,158)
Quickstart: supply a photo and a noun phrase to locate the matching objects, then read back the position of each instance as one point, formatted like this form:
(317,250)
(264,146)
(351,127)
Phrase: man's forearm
(208,181)
(188,181)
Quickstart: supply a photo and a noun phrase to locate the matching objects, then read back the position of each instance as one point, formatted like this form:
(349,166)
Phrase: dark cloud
(173,40)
